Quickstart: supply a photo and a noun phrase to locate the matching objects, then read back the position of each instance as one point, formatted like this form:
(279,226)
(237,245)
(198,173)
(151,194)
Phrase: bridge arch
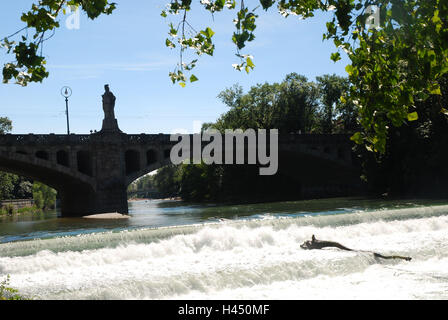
(146,169)
(75,189)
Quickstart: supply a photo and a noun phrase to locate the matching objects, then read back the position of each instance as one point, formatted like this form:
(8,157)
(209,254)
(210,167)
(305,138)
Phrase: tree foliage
(44,196)
(166,181)
(332,87)
(142,184)
(396,62)
(289,106)
(40,20)
(5,125)
(14,187)
(414,161)
(294,105)
(396,66)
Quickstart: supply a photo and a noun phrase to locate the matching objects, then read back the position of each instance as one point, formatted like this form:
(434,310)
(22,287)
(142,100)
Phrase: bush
(7,293)
(7,209)
(33,209)
(44,196)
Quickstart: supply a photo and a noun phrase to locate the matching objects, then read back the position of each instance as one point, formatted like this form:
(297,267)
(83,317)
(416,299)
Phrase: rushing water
(169,250)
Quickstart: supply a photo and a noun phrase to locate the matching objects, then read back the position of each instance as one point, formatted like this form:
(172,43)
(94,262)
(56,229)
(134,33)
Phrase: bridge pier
(82,200)
(76,201)
(109,167)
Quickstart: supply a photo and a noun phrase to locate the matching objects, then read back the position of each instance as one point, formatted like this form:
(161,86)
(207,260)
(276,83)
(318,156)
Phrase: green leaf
(357,138)
(336,56)
(169,43)
(208,33)
(249,62)
(193,78)
(349,68)
(182,84)
(266,4)
(435,90)
(412,116)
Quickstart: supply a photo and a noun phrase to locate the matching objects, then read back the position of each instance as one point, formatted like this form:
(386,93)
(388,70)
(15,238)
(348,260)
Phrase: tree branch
(320,244)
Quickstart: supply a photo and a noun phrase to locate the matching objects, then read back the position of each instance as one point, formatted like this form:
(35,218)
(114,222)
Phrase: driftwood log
(320,244)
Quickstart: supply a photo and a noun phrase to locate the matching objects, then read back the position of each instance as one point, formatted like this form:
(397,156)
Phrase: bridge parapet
(43,139)
(320,139)
(147,138)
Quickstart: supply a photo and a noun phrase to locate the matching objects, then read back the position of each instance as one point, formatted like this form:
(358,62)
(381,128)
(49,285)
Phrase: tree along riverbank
(11,210)
(42,198)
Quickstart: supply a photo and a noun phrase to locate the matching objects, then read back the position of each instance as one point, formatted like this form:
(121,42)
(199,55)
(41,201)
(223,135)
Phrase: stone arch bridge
(92,172)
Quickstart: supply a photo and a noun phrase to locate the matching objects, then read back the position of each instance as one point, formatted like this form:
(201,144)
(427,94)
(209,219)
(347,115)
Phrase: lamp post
(66,92)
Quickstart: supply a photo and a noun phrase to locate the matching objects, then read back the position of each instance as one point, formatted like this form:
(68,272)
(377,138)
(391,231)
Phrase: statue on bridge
(110,124)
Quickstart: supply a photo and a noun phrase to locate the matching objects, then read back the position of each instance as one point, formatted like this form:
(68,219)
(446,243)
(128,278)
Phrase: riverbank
(11,211)
(11,207)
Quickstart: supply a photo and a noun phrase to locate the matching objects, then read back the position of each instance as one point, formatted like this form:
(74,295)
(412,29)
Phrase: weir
(92,172)
(263,258)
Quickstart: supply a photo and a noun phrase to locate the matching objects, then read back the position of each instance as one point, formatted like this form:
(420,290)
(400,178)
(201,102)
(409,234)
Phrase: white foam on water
(421,280)
(112,239)
(245,260)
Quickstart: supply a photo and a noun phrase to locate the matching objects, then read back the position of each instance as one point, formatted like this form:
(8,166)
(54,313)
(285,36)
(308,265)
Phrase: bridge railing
(58,139)
(314,138)
(43,139)
(147,138)
(283,137)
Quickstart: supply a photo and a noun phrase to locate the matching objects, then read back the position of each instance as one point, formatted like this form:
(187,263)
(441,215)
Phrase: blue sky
(127,51)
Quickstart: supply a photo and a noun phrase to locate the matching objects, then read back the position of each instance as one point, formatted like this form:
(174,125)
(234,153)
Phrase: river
(171,250)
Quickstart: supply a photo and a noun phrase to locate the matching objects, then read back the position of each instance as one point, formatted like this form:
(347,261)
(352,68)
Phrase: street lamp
(66,92)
